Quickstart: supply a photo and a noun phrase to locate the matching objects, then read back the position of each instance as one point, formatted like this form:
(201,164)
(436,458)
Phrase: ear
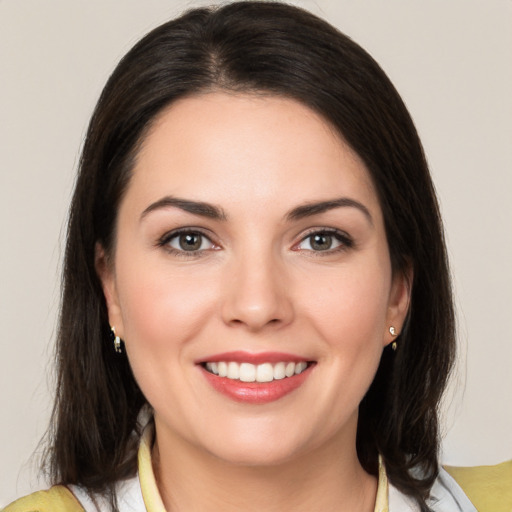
(398,304)
(106,274)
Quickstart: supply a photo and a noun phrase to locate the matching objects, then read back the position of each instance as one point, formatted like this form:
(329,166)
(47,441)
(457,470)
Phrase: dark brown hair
(283,50)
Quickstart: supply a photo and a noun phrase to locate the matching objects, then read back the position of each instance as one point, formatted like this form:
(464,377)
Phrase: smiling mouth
(248,372)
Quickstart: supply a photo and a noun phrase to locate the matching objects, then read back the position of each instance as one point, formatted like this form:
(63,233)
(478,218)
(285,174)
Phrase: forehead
(221,146)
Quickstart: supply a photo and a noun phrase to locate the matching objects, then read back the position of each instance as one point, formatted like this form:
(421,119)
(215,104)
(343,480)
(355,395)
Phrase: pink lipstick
(255,378)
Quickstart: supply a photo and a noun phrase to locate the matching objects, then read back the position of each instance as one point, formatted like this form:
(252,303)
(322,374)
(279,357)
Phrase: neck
(328,478)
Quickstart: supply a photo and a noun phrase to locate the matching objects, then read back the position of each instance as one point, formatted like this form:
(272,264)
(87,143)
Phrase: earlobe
(398,306)
(105,272)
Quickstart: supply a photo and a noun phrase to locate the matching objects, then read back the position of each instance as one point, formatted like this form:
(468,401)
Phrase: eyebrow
(310,209)
(195,207)
(211,211)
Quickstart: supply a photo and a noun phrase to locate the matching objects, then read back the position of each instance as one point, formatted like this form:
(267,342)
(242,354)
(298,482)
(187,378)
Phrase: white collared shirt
(140,493)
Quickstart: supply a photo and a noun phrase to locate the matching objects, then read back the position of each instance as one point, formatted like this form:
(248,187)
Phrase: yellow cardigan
(488,487)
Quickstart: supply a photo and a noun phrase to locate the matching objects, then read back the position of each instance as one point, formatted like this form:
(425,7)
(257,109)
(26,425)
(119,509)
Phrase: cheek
(351,307)
(162,310)
(163,314)
(350,316)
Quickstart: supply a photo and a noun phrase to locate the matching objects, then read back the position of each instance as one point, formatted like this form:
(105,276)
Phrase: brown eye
(325,241)
(321,242)
(189,241)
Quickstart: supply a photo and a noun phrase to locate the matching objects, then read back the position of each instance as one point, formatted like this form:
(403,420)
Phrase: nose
(257,294)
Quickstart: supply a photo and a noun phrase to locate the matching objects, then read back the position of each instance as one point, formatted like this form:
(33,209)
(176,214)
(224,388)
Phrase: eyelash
(346,242)
(166,239)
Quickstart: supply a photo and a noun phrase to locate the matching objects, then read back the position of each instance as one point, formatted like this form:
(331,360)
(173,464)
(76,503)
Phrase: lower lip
(256,392)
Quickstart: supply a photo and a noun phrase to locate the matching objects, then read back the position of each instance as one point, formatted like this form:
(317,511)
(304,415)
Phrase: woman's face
(251,245)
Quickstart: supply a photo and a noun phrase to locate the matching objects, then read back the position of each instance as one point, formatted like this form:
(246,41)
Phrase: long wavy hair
(282,50)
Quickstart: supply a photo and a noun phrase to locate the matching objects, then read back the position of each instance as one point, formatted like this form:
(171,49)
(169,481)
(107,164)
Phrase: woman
(257,309)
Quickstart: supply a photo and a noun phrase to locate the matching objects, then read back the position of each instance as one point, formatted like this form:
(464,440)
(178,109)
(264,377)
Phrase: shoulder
(77,499)
(488,487)
(55,499)
(464,489)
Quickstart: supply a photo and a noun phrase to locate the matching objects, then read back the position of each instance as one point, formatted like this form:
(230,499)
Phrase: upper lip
(240,356)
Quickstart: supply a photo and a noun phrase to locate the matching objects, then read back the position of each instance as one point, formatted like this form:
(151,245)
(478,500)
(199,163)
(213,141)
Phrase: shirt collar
(153,500)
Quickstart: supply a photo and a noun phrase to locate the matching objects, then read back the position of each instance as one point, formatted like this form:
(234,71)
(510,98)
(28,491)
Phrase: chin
(257,447)
(256,456)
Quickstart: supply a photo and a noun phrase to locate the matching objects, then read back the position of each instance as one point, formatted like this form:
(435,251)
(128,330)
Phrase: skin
(257,285)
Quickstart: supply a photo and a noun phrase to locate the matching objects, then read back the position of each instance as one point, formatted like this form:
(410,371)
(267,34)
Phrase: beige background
(452,63)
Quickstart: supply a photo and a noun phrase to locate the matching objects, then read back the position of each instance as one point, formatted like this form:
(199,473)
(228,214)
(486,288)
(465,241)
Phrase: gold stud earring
(393,332)
(117,341)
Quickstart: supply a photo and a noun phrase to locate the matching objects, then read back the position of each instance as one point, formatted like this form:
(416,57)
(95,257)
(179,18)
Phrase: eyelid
(346,241)
(164,240)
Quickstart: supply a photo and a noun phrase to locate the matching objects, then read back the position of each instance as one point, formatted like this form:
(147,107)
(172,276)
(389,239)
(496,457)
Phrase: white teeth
(233,371)
(279,371)
(264,372)
(300,367)
(247,372)
(290,369)
(223,369)
(212,367)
